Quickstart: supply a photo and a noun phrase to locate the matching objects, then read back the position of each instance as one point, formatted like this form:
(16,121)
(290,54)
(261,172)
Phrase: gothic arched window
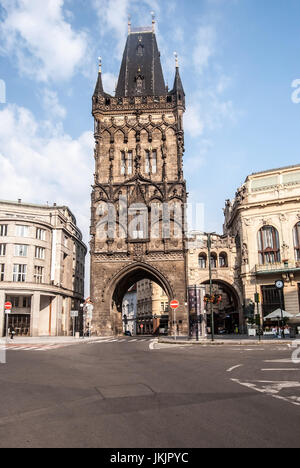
(268,245)
(214,260)
(202,261)
(296,235)
(223,260)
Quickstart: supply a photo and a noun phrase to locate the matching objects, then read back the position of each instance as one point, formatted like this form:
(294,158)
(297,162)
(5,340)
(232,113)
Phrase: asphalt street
(137,393)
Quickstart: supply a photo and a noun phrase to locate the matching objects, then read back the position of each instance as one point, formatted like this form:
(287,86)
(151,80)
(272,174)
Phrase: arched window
(214,260)
(297,241)
(223,260)
(268,245)
(202,261)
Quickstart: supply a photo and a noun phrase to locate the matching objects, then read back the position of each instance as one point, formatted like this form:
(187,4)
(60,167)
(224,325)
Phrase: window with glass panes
(297,241)
(38,274)
(41,234)
(22,231)
(19,273)
(21,250)
(2,269)
(3,230)
(268,245)
(40,253)
(2,250)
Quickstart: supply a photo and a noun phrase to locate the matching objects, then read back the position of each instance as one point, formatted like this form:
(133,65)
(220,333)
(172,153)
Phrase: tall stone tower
(139,192)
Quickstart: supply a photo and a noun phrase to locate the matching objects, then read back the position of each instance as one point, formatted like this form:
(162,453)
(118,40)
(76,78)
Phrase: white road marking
(234,367)
(280,370)
(280,361)
(273,389)
(152,343)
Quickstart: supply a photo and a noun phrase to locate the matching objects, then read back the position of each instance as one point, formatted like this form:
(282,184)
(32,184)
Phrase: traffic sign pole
(174,306)
(8,307)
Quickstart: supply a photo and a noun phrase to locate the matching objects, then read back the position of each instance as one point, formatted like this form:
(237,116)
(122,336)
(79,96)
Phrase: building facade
(152,308)
(129,313)
(42,268)
(138,170)
(260,244)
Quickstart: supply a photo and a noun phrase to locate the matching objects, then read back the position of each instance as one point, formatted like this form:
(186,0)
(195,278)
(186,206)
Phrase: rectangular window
(26,302)
(123,163)
(22,231)
(130,160)
(154,162)
(147,162)
(2,250)
(40,253)
(39,274)
(2,269)
(19,275)
(66,241)
(3,230)
(41,234)
(21,250)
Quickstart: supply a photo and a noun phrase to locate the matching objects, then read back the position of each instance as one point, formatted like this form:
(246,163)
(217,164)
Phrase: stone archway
(124,280)
(235,294)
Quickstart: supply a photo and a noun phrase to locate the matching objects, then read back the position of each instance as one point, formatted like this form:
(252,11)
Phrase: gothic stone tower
(139,171)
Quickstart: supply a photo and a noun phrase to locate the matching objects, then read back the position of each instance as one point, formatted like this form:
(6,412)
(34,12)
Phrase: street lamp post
(280,286)
(211,285)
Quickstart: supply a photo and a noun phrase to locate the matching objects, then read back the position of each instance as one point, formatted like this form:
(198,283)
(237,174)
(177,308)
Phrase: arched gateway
(139,193)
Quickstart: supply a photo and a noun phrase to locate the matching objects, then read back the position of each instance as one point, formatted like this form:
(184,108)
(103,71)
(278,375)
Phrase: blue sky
(238,60)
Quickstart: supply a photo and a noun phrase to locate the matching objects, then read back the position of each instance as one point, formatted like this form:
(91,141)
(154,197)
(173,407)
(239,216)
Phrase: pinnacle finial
(176,60)
(100,64)
(129,24)
(153,21)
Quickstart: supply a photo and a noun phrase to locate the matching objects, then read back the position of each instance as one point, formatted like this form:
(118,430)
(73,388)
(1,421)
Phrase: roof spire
(153,21)
(129,24)
(100,64)
(176,60)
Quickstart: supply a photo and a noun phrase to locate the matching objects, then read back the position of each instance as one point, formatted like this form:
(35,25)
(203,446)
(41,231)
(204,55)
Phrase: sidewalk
(49,340)
(227,340)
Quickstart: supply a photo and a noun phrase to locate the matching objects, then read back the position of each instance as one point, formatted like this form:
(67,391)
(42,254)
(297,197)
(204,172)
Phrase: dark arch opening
(133,276)
(153,320)
(227,317)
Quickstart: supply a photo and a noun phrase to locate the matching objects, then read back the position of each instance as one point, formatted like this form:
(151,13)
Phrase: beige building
(42,267)
(152,306)
(261,244)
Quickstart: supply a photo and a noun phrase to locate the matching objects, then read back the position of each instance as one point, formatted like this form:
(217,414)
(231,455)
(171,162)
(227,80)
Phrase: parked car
(127,333)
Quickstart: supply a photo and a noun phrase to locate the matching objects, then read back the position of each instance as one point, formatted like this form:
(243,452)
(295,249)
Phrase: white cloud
(113,17)
(36,34)
(205,43)
(42,164)
(51,104)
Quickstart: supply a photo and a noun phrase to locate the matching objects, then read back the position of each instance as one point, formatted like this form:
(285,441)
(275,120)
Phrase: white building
(42,267)
(129,310)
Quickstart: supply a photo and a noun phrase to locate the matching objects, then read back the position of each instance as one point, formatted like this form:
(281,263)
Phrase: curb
(228,343)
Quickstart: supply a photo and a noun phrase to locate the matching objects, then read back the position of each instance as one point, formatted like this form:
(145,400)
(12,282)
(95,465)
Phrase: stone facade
(260,244)
(42,267)
(263,218)
(138,168)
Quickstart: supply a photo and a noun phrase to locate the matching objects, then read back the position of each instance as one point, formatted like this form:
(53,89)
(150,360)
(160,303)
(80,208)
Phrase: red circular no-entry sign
(8,306)
(174,304)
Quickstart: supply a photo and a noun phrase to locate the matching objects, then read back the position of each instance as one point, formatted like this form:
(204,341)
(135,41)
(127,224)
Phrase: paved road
(136,393)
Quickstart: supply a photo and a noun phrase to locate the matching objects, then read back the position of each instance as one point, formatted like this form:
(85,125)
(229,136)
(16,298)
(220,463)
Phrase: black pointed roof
(178,86)
(99,86)
(141,71)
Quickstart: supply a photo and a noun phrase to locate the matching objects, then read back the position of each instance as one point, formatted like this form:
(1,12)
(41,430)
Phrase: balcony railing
(277,267)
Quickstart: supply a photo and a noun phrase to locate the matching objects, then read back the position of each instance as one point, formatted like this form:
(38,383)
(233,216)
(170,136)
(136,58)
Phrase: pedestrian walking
(12,333)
